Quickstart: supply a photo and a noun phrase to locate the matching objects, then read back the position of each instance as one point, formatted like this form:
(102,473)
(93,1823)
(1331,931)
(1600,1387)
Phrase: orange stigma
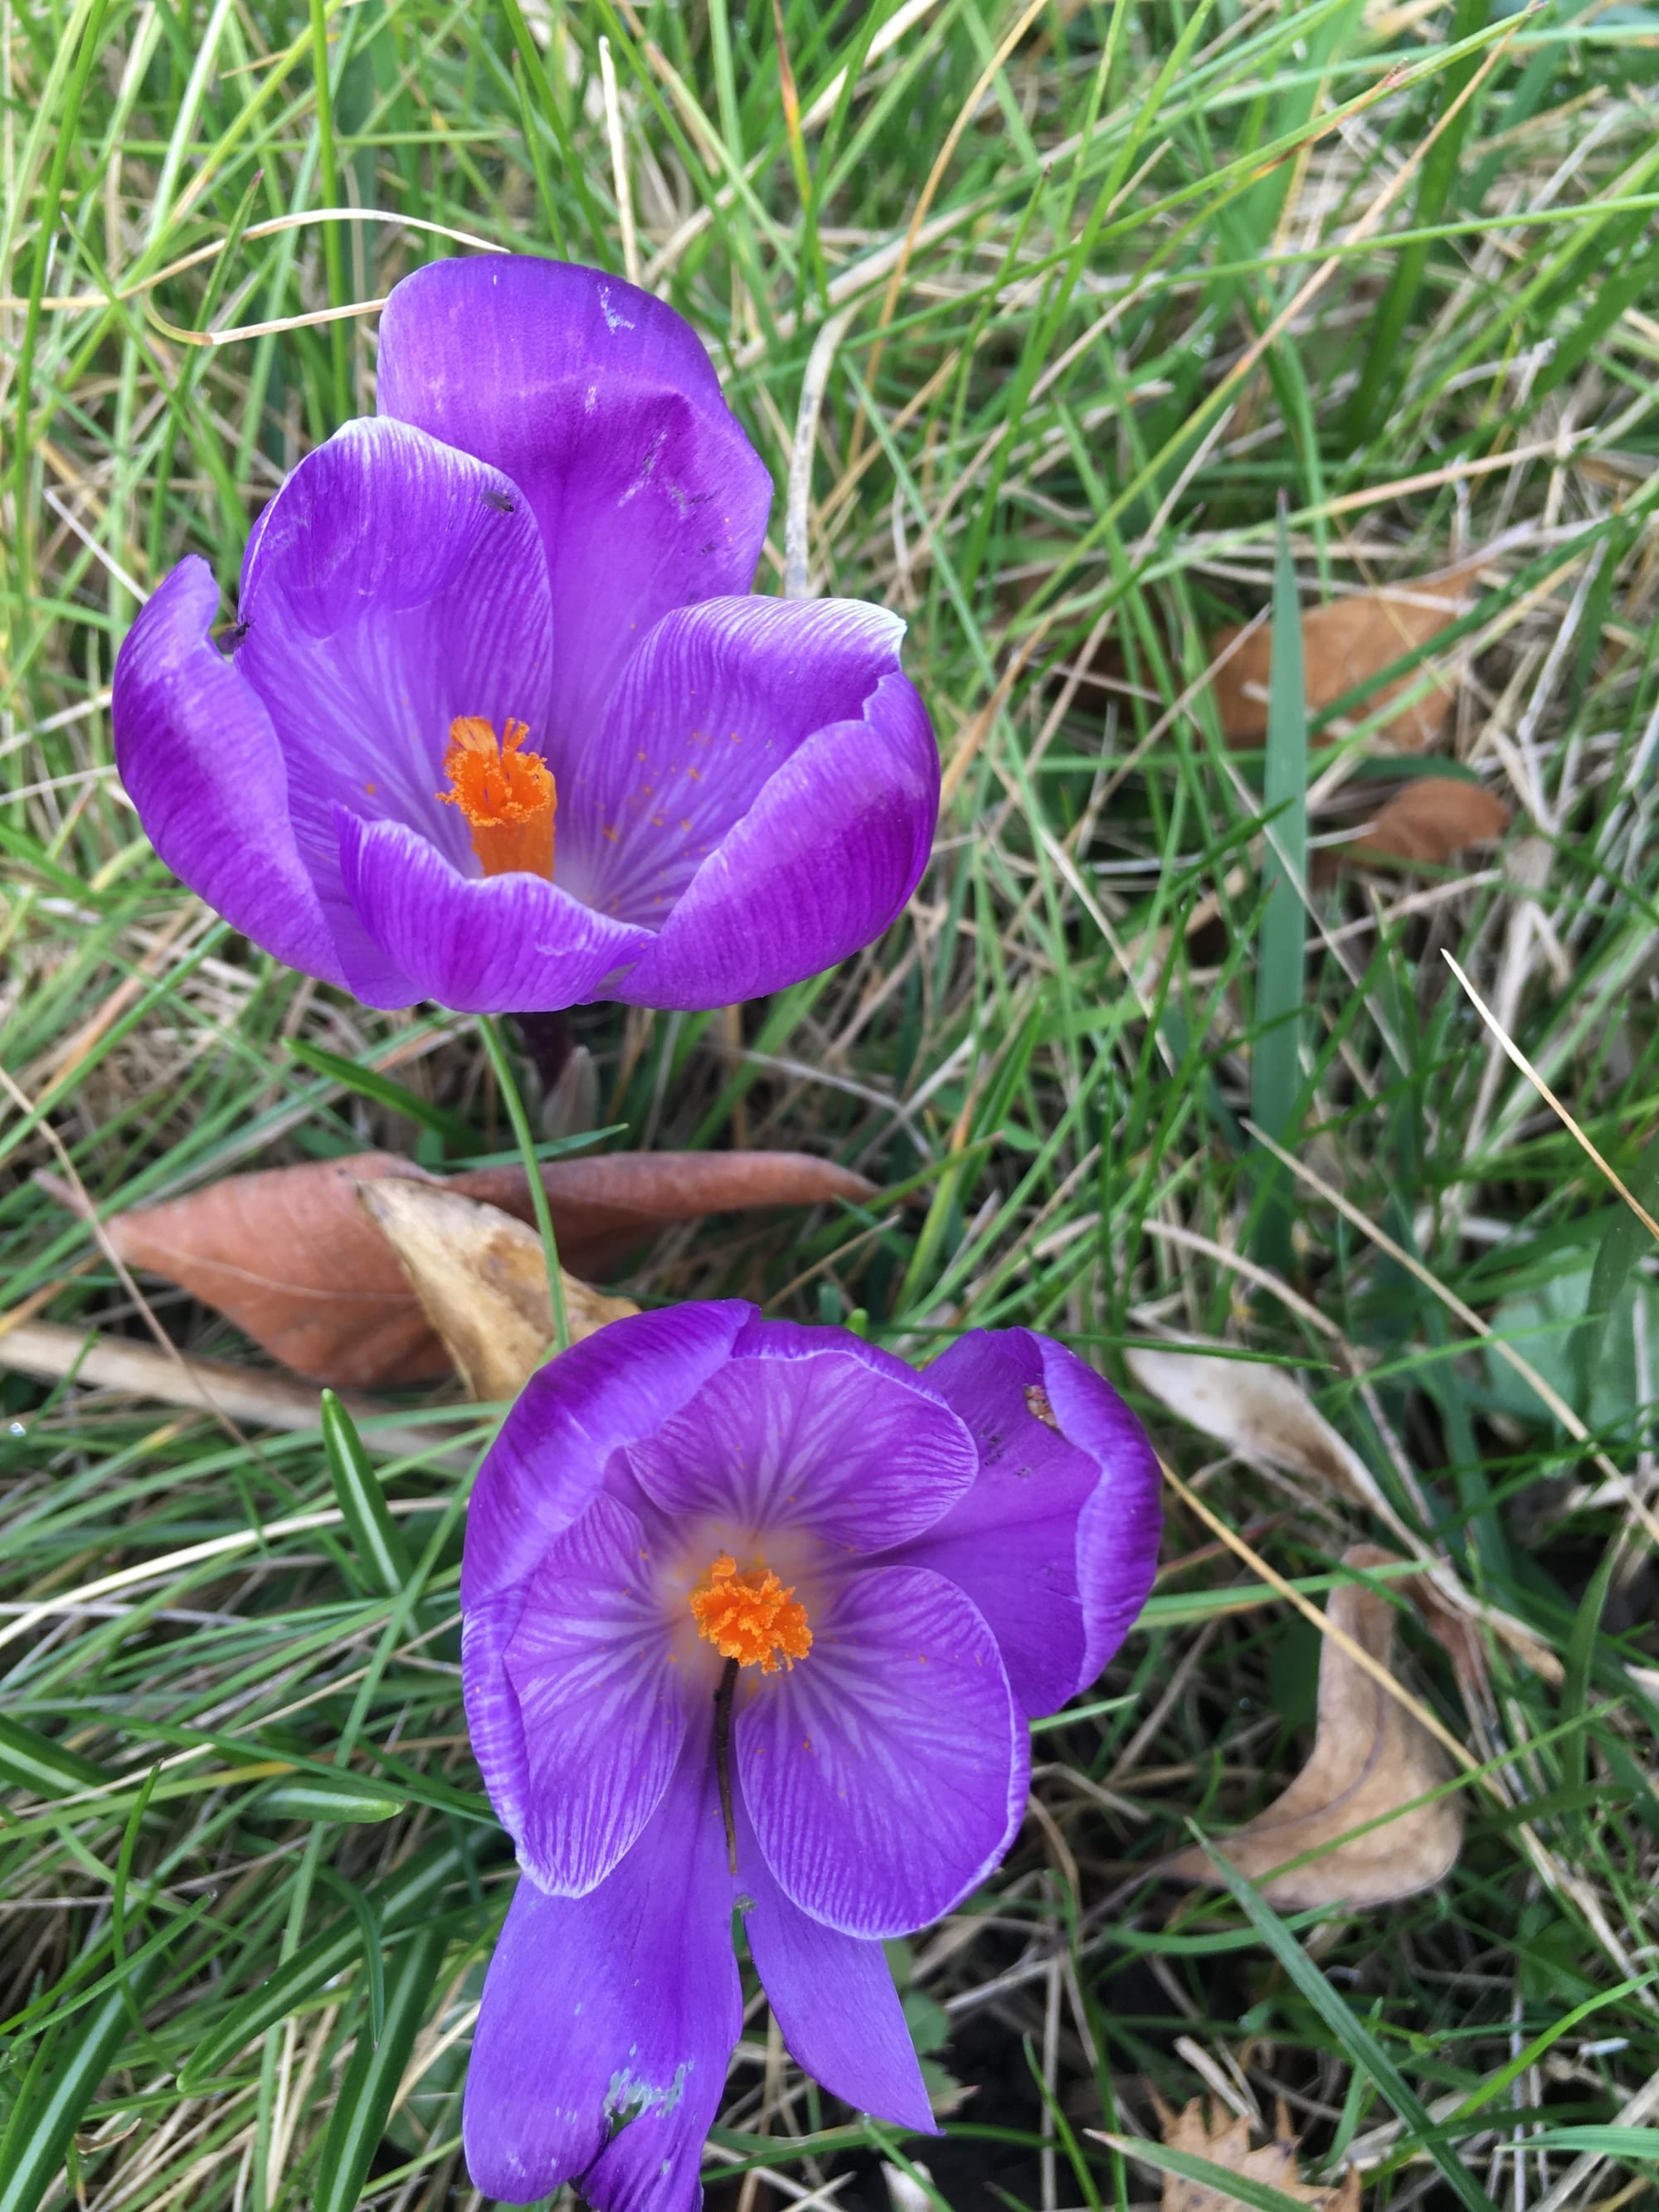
(506,794)
(752,1618)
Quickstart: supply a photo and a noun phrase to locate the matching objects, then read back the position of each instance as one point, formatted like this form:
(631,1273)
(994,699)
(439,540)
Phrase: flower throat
(507,794)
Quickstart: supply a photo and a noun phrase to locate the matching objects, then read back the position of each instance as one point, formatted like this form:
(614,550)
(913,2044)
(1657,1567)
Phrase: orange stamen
(751,1618)
(507,795)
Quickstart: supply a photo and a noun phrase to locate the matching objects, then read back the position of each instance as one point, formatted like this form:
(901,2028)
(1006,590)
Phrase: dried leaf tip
(1224,2141)
(1352,1828)
(481,1277)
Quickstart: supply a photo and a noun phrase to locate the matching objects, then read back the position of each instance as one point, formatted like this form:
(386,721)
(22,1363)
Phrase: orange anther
(751,1618)
(506,794)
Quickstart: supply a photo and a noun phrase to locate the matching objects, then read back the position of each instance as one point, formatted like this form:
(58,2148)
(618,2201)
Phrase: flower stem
(544,1212)
(328,166)
(723,1755)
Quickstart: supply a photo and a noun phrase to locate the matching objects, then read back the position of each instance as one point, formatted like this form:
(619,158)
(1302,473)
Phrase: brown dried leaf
(1261,1412)
(289,1257)
(1370,1757)
(1257,1410)
(1344,643)
(481,1277)
(1432,819)
(1455,1629)
(1224,2140)
(606,1207)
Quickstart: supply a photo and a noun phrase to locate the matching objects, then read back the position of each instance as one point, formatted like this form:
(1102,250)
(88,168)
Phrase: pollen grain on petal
(507,794)
(751,1618)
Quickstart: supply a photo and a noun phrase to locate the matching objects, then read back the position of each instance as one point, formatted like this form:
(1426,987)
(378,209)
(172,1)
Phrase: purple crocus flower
(522,588)
(755,1619)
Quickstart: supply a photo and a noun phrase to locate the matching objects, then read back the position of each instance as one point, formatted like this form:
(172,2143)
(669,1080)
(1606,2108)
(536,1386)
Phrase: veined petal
(711,705)
(821,863)
(602,404)
(510,944)
(393,586)
(834,1997)
(476,340)
(827,1442)
(1019,1790)
(878,1772)
(1119,1533)
(494,1722)
(1011,1543)
(1057,1541)
(550,1454)
(622,2006)
(202,763)
(600,1706)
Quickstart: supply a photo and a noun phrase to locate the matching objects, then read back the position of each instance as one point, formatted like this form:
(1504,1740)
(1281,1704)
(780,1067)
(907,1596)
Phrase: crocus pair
(502,726)
(755,1620)
(756,1616)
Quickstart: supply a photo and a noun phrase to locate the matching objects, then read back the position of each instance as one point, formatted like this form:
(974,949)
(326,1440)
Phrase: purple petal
(1057,1541)
(861,1457)
(621,2006)
(385,595)
(201,762)
(493,1720)
(1012,1542)
(572,1416)
(602,404)
(601,1717)
(1118,1536)
(714,702)
(833,1998)
(764,1339)
(1019,1790)
(511,943)
(822,863)
(878,1771)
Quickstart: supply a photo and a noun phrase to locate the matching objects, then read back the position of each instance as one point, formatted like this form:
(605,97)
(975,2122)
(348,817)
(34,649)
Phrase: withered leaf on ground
(481,1277)
(1344,643)
(1434,818)
(1223,2138)
(1256,1410)
(1370,1756)
(1261,1412)
(288,1255)
(606,1207)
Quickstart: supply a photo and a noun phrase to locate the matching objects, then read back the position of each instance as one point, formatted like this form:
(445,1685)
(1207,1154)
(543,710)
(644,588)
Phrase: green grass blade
(376,2069)
(91,34)
(1380,366)
(58,2089)
(489,1029)
(316,1798)
(1350,2033)
(413,1893)
(369,1083)
(375,1537)
(1625,1239)
(33,1762)
(1275,1065)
